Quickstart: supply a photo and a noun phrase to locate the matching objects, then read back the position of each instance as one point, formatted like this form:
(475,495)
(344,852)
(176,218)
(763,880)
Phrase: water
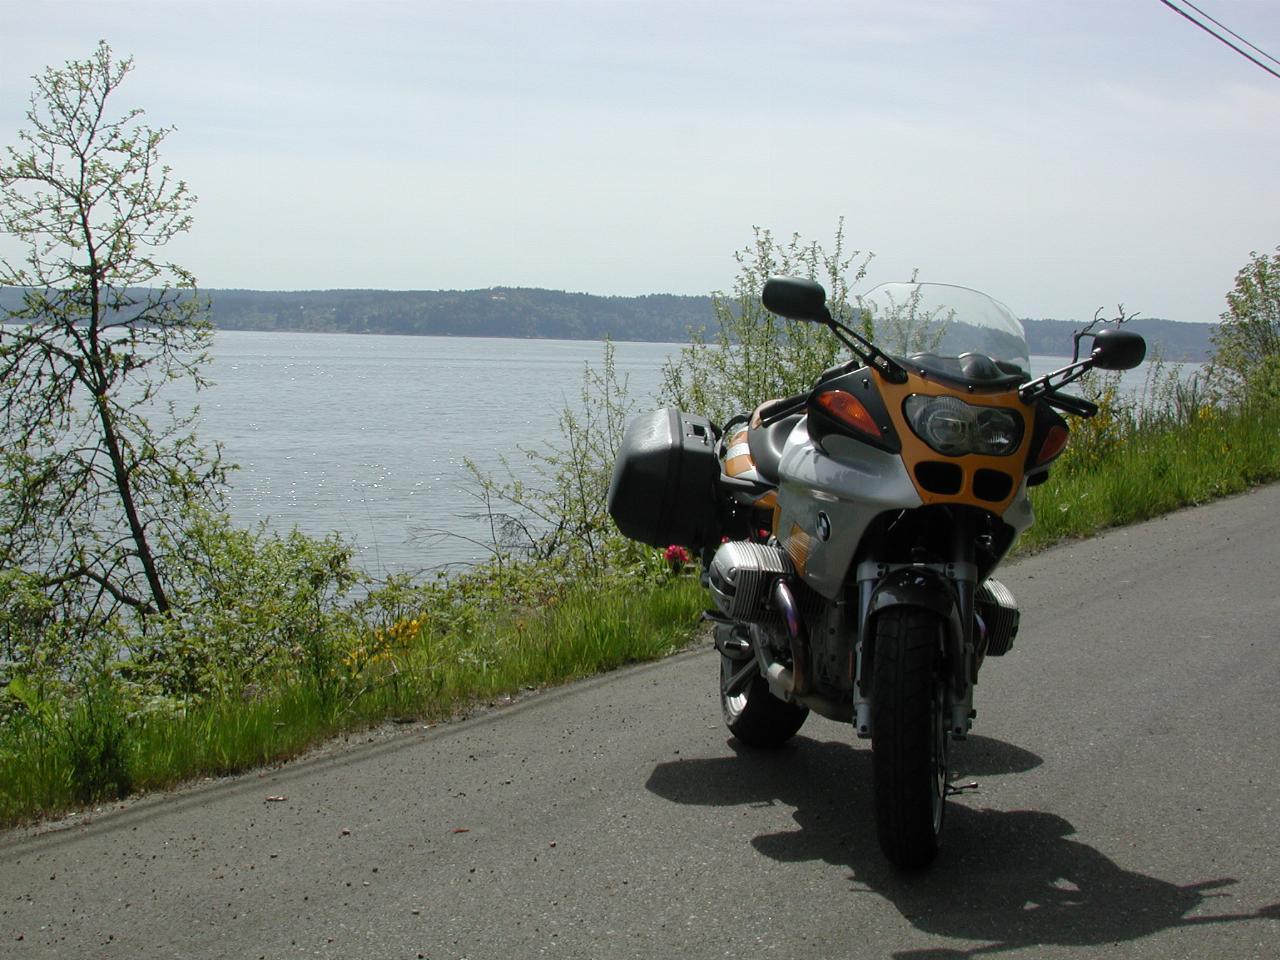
(366,436)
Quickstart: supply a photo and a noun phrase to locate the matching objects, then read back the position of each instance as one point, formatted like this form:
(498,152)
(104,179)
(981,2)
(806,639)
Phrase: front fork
(945,588)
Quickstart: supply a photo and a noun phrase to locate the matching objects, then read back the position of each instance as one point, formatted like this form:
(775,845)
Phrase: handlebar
(775,410)
(1067,403)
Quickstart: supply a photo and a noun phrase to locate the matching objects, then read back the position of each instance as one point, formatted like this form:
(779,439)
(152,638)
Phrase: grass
(1157,469)
(430,677)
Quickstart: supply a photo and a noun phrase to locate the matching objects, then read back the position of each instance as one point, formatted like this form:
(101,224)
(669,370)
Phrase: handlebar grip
(1074,405)
(777,409)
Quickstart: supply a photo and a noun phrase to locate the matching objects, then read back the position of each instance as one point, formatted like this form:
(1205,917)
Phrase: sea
(368,436)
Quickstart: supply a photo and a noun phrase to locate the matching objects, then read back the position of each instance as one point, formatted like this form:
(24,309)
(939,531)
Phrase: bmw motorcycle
(849,535)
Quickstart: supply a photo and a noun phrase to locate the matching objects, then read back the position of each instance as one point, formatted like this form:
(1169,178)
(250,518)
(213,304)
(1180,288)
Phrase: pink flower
(676,555)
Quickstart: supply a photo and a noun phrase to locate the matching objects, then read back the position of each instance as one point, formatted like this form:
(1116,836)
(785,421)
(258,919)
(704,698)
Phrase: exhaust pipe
(795,683)
(749,582)
(796,680)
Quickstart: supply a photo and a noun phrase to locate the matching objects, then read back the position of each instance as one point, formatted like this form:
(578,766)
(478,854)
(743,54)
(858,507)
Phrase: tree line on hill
(497,312)
(556,315)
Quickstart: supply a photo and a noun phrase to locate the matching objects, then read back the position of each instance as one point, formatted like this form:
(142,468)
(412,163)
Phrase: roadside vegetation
(1135,461)
(1180,441)
(145,640)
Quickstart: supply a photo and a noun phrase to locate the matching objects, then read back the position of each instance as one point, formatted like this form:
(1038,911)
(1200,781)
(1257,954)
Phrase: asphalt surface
(1126,805)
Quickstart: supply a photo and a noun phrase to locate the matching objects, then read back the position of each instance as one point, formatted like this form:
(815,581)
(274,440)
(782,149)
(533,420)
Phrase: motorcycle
(848,535)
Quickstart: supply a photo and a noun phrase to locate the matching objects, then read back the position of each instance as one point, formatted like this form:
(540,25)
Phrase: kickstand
(954,789)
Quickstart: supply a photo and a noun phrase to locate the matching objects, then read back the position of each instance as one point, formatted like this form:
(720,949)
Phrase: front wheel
(909,735)
(753,715)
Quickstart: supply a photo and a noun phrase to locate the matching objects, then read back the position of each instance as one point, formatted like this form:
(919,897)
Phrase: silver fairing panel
(1019,514)
(849,488)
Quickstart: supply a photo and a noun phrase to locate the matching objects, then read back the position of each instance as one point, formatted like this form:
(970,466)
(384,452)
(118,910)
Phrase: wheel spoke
(736,681)
(754,716)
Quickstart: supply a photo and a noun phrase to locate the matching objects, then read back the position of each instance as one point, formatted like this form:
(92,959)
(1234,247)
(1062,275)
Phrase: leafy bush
(754,355)
(249,604)
(1097,438)
(547,517)
(1246,358)
(30,634)
(98,736)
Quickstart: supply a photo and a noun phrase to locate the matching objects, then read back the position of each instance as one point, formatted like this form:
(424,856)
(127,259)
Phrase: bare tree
(93,492)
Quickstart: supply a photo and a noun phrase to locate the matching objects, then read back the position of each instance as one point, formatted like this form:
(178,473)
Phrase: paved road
(1127,806)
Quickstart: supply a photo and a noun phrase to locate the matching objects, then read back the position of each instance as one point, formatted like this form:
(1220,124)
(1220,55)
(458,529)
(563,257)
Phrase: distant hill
(1175,340)
(553,314)
(497,312)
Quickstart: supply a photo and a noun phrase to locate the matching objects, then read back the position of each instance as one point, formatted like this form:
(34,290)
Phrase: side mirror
(796,299)
(1115,348)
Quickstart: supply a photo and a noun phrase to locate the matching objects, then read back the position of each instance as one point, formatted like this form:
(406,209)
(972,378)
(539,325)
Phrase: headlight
(954,428)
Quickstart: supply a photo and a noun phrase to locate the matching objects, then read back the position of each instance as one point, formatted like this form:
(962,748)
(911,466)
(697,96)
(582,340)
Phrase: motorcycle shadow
(1007,878)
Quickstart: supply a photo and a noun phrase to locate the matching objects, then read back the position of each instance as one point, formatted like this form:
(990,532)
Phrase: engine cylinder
(742,576)
(1000,614)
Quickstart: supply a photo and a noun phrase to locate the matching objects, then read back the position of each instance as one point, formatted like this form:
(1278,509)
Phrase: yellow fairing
(799,545)
(916,452)
(741,464)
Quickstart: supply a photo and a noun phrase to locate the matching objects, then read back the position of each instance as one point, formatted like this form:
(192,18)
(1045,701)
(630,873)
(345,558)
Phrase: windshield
(951,332)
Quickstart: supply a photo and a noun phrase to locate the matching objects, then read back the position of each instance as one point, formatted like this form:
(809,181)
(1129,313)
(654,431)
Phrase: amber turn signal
(848,409)
(1054,443)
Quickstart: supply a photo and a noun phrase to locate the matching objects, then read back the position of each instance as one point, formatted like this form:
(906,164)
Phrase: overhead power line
(1219,37)
(1219,23)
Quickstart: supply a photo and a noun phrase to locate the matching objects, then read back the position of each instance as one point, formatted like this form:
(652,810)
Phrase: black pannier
(664,488)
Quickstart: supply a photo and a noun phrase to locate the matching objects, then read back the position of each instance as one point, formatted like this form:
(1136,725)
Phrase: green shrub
(753,355)
(98,739)
(1246,360)
(248,604)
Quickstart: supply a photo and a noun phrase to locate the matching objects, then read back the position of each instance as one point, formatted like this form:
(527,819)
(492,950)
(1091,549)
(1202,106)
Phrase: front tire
(754,716)
(909,735)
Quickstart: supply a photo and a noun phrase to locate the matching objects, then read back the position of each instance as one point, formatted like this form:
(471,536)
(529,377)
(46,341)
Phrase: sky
(1060,155)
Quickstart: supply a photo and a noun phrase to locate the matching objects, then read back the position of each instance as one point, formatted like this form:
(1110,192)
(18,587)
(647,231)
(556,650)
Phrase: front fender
(928,589)
(917,587)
